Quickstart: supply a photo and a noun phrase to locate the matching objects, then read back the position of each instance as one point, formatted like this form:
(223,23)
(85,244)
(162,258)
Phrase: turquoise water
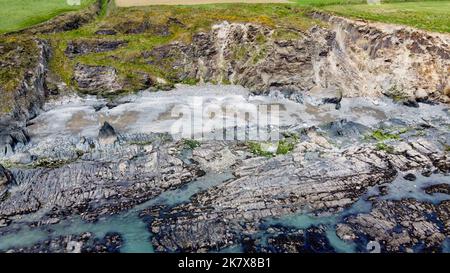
(401,188)
(446,246)
(397,190)
(133,229)
(137,237)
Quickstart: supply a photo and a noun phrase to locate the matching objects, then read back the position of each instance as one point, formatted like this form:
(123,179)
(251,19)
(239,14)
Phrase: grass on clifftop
(19,14)
(424,14)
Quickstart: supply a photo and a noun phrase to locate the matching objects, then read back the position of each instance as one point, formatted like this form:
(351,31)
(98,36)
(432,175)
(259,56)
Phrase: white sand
(130,3)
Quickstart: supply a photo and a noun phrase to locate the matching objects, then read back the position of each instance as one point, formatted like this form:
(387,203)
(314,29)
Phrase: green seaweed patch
(50,163)
(284,147)
(191,143)
(384,134)
(256,149)
(384,147)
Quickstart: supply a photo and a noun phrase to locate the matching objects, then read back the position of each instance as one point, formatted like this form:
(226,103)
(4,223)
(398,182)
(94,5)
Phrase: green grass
(382,135)
(19,14)
(384,147)
(191,143)
(423,14)
(284,147)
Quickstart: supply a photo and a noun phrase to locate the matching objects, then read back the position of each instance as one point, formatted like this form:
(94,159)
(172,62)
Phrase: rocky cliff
(23,66)
(355,58)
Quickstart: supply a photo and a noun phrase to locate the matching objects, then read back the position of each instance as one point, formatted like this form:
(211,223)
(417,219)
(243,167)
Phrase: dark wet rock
(97,79)
(61,244)
(220,213)
(410,177)
(329,96)
(344,128)
(4,222)
(427,173)
(106,32)
(438,188)
(6,179)
(10,137)
(287,240)
(81,47)
(107,134)
(443,163)
(112,105)
(111,243)
(443,213)
(384,190)
(399,226)
(345,232)
(83,243)
(411,103)
(98,107)
(175,21)
(132,27)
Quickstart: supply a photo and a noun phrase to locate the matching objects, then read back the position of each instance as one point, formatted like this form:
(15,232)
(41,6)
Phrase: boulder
(107,134)
(6,179)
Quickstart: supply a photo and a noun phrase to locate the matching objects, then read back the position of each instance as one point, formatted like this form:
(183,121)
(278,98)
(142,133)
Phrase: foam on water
(160,112)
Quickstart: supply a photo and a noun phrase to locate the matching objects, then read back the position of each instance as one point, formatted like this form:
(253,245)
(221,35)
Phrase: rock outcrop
(84,176)
(23,99)
(355,58)
(82,243)
(6,179)
(97,79)
(265,188)
(400,225)
(82,47)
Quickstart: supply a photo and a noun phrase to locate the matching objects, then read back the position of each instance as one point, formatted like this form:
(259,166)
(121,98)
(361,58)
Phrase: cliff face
(357,58)
(23,95)
(373,59)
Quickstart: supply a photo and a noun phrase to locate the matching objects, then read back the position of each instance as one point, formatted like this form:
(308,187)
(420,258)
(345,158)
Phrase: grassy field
(20,14)
(131,3)
(424,14)
(428,15)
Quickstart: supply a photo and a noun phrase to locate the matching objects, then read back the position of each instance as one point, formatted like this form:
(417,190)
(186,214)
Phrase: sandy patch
(130,3)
